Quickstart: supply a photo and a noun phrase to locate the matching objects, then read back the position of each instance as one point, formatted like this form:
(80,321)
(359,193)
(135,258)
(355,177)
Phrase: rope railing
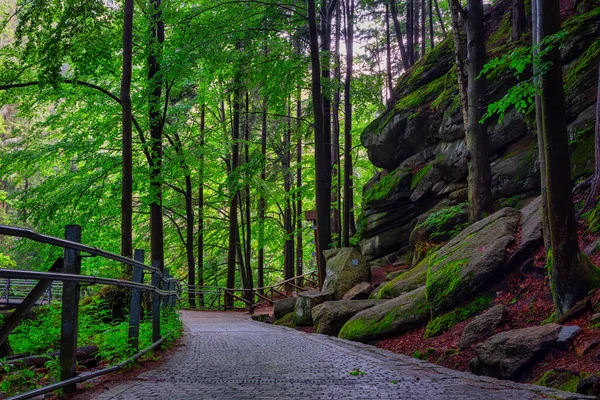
(67,270)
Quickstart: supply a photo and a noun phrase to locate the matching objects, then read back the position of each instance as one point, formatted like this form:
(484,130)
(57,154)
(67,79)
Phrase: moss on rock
(286,320)
(447,321)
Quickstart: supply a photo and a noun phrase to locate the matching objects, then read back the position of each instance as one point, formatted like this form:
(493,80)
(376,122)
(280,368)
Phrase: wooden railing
(67,270)
(215,298)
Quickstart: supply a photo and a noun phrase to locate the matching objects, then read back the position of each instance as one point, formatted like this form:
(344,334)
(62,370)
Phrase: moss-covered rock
(394,316)
(329,317)
(445,322)
(566,381)
(286,320)
(406,282)
(345,268)
(471,260)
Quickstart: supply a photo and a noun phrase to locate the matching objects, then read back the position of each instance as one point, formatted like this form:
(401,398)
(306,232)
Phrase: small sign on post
(355,262)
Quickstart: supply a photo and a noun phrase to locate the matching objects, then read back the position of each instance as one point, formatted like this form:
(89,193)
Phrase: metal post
(155,304)
(136,299)
(70,309)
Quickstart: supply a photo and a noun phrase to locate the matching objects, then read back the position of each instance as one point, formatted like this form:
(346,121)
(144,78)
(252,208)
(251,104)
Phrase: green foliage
(436,221)
(419,175)
(382,188)
(445,280)
(583,64)
(423,355)
(357,372)
(447,321)
(6,261)
(562,380)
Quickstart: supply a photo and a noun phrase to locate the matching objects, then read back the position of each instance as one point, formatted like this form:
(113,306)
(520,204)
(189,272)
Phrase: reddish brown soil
(378,274)
(526,294)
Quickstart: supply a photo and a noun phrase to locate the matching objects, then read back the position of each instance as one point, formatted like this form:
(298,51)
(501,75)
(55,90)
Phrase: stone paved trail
(228,356)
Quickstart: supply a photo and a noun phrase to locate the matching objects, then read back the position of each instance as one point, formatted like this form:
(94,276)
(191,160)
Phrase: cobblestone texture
(228,356)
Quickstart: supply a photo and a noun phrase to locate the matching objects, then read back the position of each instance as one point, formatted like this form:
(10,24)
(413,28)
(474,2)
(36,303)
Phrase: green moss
(447,321)
(593,218)
(562,380)
(420,96)
(419,175)
(584,64)
(437,221)
(419,272)
(382,188)
(579,22)
(286,320)
(503,32)
(509,202)
(443,281)
(415,74)
(447,96)
(581,151)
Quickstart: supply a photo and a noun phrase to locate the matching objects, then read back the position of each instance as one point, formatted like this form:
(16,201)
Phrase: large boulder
(471,260)
(531,231)
(346,267)
(329,317)
(507,354)
(482,327)
(283,307)
(305,303)
(394,316)
(406,282)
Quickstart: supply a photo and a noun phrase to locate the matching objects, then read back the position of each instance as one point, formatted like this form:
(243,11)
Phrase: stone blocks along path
(227,356)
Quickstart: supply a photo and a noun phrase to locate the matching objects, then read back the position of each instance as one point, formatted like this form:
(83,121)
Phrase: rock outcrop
(345,268)
(482,327)
(305,303)
(283,307)
(329,317)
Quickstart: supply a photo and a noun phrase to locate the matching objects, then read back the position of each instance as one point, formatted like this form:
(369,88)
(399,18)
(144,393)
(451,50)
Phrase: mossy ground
(562,380)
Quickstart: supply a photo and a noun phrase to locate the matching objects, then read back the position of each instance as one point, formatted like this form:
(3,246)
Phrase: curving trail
(229,356)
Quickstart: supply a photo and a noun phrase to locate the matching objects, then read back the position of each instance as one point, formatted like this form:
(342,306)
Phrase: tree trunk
(478,144)
(519,21)
(388,58)
(348,217)
(189,244)
(539,130)
(416,28)
(410,46)
(322,151)
(233,193)
(439,14)
(431,41)
(398,30)
(335,144)
(155,112)
(201,209)
(572,275)
(127,131)
(248,241)
(262,205)
(423,28)
(299,216)
(288,250)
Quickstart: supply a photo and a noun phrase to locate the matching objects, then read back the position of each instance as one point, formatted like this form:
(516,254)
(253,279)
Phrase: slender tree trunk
(398,30)
(388,59)
(189,245)
(572,275)
(299,216)
(348,189)
(155,112)
(248,245)
(201,209)
(478,144)
(416,28)
(439,15)
(127,167)
(262,203)
(410,46)
(431,34)
(233,193)
(539,130)
(335,145)
(423,28)
(595,186)
(519,21)
(322,148)
(288,264)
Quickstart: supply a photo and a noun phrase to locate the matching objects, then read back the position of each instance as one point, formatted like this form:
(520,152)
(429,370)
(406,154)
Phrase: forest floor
(526,294)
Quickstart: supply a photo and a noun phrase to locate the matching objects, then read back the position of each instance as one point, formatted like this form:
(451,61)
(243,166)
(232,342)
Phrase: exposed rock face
(394,316)
(421,140)
(358,292)
(471,260)
(283,307)
(346,267)
(590,385)
(406,282)
(531,230)
(329,317)
(482,327)
(305,303)
(507,354)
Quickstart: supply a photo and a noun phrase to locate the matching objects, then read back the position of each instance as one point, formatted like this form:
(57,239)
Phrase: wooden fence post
(155,305)
(70,310)
(135,310)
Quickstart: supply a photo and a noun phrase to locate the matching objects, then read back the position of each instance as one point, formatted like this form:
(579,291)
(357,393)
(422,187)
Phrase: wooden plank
(28,302)
(264,297)
(70,310)
(156,278)
(135,309)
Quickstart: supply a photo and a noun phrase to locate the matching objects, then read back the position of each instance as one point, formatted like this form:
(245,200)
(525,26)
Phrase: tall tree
(262,202)
(478,144)
(155,114)
(388,58)
(410,36)
(572,275)
(127,133)
(348,217)
(201,206)
(299,216)
(336,171)
(423,28)
(519,19)
(398,30)
(322,147)
(288,250)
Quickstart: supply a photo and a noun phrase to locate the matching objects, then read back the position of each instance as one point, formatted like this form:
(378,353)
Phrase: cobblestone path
(228,356)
